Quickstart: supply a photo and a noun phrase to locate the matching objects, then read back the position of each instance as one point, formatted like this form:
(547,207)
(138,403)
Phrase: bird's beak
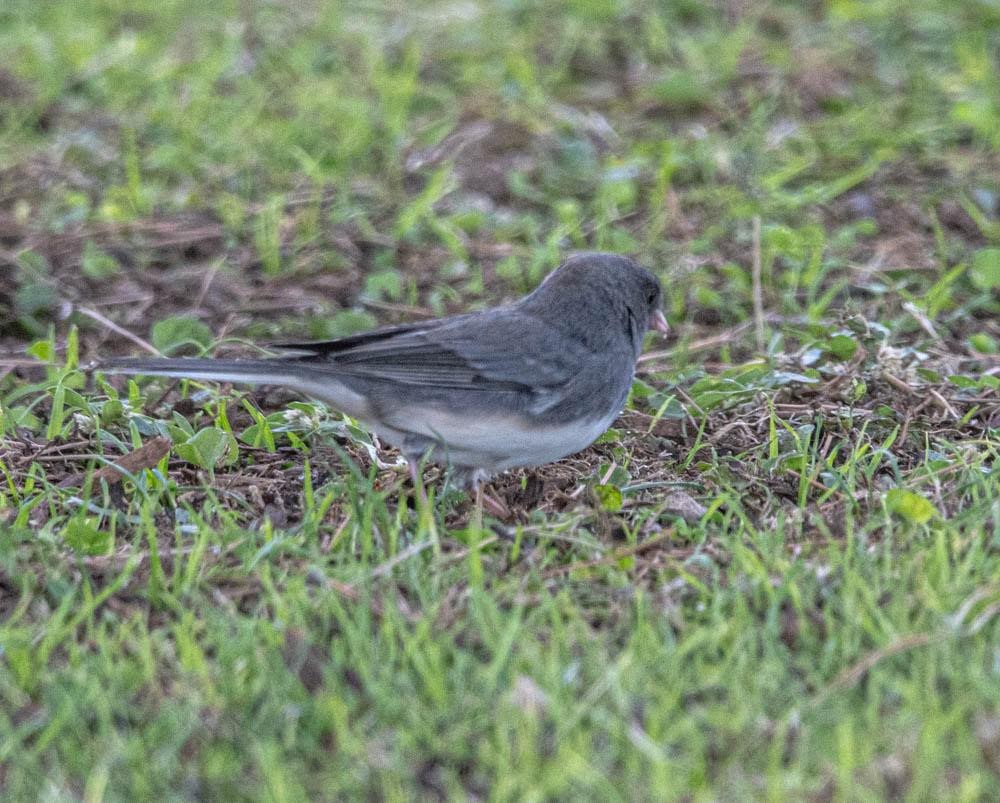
(658,321)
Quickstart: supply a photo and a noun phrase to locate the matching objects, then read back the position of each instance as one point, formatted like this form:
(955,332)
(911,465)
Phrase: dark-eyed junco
(519,385)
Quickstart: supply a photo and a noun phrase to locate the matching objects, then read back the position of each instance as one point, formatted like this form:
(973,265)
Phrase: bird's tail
(252,372)
(324,384)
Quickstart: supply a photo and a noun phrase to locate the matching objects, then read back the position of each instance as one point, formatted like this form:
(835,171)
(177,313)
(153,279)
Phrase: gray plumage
(517,385)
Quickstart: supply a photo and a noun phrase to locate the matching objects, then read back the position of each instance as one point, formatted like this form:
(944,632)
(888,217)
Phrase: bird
(519,385)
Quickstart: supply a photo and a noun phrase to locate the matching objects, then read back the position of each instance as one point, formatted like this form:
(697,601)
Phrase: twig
(899,384)
(386,567)
(854,673)
(921,318)
(906,427)
(19,362)
(858,670)
(614,557)
(405,309)
(943,404)
(64,447)
(698,345)
(207,282)
(90,313)
(460,554)
(758,287)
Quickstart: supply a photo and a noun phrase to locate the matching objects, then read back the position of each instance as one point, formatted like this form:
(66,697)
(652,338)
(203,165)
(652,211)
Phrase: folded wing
(484,352)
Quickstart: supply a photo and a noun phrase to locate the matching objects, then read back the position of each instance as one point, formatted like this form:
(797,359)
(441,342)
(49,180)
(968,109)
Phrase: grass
(775,578)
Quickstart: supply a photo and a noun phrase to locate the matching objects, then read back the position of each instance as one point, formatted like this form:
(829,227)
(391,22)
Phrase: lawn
(776,577)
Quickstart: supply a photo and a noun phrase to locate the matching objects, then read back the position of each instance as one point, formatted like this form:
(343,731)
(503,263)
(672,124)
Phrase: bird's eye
(651,298)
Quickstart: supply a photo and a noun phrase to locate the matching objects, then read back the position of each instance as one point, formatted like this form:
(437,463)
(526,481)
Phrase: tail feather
(253,372)
(324,385)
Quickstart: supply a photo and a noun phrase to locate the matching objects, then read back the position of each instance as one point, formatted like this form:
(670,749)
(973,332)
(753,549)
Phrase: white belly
(498,443)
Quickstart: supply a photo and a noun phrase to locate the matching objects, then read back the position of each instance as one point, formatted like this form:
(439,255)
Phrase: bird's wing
(330,348)
(495,350)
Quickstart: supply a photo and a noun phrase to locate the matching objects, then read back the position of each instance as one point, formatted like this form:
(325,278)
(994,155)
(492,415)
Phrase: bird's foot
(485,501)
(492,504)
(474,479)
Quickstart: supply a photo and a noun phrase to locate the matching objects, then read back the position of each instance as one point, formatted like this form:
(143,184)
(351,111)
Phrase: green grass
(777,577)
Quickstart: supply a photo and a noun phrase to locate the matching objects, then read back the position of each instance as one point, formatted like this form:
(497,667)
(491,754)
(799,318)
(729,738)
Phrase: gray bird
(518,385)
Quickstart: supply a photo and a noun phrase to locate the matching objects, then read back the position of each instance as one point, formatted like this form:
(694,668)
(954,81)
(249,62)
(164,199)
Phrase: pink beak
(658,321)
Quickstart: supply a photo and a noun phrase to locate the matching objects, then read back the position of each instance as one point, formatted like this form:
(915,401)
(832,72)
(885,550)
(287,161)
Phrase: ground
(777,576)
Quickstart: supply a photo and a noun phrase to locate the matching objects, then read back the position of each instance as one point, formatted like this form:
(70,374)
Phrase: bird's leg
(477,511)
(425,514)
(415,449)
(413,464)
(485,501)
